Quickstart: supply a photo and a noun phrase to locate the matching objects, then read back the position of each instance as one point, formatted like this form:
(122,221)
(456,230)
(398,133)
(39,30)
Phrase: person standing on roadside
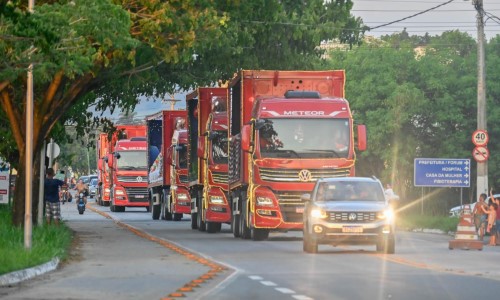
(497,222)
(480,215)
(51,197)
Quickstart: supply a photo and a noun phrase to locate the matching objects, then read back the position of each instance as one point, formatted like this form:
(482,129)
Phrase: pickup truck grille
(137,194)
(219,177)
(132,178)
(292,175)
(352,217)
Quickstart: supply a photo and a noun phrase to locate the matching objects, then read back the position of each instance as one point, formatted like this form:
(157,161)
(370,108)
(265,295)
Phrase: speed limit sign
(480,138)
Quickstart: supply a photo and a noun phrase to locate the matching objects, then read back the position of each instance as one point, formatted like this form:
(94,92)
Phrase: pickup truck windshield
(132,160)
(305,138)
(349,191)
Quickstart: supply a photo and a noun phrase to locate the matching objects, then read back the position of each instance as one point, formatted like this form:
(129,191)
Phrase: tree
(107,52)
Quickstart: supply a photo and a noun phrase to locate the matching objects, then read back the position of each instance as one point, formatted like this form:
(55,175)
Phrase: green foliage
(47,242)
(417,221)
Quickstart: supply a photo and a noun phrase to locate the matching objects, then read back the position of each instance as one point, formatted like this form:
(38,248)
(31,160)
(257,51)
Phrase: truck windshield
(132,160)
(219,147)
(349,191)
(305,138)
(182,155)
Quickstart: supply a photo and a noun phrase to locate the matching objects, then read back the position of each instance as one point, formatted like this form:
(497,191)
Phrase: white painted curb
(18,276)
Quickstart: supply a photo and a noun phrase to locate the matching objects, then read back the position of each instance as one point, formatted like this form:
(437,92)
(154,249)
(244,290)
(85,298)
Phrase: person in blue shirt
(51,197)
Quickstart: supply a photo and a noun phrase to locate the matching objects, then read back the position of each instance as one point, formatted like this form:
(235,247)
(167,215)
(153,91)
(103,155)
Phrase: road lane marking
(268,283)
(285,290)
(302,297)
(255,277)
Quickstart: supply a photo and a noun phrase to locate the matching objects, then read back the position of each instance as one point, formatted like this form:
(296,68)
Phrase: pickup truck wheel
(245,232)
(308,244)
(386,245)
(260,234)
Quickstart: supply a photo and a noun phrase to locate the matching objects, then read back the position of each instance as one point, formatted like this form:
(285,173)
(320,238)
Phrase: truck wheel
(111,207)
(119,208)
(308,244)
(244,229)
(177,217)
(194,220)
(235,225)
(213,227)
(386,245)
(155,210)
(167,214)
(199,215)
(260,234)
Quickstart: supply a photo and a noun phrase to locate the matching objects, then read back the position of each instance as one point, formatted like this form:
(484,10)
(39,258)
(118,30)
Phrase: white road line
(285,290)
(302,297)
(268,283)
(255,277)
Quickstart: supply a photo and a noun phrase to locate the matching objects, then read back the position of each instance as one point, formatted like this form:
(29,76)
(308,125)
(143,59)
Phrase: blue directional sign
(441,172)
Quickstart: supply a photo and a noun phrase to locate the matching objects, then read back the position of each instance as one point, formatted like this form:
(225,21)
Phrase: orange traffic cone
(466,236)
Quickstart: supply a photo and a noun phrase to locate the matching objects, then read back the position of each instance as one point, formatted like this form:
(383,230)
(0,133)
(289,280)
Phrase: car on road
(93,187)
(457,210)
(349,211)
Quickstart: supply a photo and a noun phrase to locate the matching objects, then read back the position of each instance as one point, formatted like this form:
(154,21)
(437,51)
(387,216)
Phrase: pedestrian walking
(51,197)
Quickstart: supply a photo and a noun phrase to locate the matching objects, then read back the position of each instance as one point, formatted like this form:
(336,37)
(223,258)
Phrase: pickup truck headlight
(387,214)
(216,200)
(264,201)
(318,213)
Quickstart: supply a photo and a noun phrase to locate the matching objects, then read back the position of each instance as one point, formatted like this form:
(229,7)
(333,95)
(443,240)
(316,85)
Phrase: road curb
(22,275)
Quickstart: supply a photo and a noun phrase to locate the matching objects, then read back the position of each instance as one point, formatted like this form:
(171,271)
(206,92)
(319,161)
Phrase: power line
(414,15)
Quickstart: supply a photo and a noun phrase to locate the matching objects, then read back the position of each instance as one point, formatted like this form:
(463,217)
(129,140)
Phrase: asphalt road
(134,257)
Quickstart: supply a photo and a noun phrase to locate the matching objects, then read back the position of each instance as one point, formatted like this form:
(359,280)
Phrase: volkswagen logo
(305,175)
(139,179)
(352,217)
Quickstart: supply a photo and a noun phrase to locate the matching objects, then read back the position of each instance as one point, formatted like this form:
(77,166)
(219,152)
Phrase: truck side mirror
(110,160)
(246,144)
(201,147)
(361,137)
(168,156)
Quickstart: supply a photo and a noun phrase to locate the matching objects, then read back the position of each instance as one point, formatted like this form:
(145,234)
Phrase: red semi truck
(124,168)
(102,150)
(207,159)
(167,165)
(287,130)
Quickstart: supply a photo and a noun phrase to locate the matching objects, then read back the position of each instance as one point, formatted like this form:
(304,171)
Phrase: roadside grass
(48,241)
(418,221)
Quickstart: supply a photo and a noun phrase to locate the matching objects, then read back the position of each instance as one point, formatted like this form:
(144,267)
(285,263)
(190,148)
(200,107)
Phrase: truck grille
(219,177)
(137,194)
(289,204)
(352,217)
(132,178)
(292,175)
(183,178)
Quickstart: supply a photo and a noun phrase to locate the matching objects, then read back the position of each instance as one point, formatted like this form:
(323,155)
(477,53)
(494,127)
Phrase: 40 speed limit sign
(480,138)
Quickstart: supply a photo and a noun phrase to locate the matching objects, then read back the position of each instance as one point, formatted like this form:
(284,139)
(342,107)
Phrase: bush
(418,221)
(48,241)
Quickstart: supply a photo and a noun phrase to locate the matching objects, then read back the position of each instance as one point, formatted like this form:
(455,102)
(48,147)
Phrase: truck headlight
(318,213)
(107,190)
(264,201)
(216,200)
(119,192)
(182,196)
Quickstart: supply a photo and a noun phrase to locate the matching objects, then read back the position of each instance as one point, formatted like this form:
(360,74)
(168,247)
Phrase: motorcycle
(81,203)
(65,195)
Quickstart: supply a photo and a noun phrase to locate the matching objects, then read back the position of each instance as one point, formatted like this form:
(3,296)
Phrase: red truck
(102,150)
(207,159)
(287,130)
(167,165)
(125,167)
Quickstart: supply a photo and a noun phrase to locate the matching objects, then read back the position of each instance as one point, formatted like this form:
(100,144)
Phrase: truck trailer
(287,129)
(167,166)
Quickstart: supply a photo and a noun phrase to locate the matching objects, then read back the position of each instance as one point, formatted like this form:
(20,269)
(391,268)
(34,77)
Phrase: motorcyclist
(82,188)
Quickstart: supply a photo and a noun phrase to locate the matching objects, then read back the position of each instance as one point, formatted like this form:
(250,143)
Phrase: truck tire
(235,225)
(199,216)
(386,245)
(308,244)
(119,208)
(245,232)
(213,227)
(167,215)
(155,211)
(260,234)
(178,217)
(194,220)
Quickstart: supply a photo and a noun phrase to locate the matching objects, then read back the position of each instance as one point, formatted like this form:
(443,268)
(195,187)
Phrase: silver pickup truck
(348,211)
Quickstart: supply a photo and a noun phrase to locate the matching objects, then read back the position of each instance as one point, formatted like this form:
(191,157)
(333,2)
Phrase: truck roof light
(302,94)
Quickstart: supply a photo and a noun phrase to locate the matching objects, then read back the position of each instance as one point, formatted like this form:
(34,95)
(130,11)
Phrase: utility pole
(482,167)
(28,221)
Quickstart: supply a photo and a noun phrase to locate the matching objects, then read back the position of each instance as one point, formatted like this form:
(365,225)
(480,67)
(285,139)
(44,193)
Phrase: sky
(459,14)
